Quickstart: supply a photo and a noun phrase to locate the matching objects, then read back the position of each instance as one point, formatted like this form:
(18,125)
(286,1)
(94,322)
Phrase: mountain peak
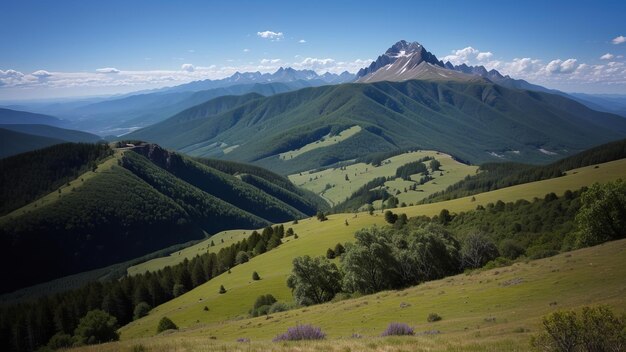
(410,53)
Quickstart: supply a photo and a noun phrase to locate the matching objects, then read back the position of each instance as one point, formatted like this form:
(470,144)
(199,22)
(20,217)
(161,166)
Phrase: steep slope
(13,142)
(9,116)
(475,122)
(132,203)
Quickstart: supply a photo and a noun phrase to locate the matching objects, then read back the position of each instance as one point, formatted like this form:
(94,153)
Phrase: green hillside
(314,238)
(133,203)
(472,121)
(492,310)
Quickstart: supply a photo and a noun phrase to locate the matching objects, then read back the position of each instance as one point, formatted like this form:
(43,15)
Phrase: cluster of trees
(375,159)
(30,175)
(387,258)
(29,325)
(424,248)
(499,175)
(365,194)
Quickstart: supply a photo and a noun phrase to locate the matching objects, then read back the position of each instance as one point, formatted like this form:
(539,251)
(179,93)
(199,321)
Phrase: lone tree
(321,216)
(602,215)
(166,324)
(222,289)
(96,326)
(255,276)
(390,217)
(314,280)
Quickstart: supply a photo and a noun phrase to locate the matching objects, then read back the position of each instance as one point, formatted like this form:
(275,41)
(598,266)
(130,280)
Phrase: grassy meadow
(360,173)
(226,313)
(491,310)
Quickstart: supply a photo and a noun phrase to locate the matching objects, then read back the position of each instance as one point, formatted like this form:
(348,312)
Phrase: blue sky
(65,48)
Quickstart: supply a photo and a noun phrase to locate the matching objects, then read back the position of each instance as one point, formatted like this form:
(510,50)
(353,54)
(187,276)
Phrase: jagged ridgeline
(106,206)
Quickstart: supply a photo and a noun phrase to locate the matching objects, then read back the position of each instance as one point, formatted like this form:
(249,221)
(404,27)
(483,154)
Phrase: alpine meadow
(313,176)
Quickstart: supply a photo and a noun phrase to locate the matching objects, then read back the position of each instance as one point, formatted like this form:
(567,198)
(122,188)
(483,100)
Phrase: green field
(493,310)
(314,238)
(325,141)
(360,173)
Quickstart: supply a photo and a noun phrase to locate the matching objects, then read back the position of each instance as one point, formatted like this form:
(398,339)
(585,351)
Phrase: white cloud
(41,74)
(188,67)
(108,70)
(246,50)
(301,41)
(270,61)
(330,65)
(274,36)
(619,40)
(468,55)
(558,66)
(607,56)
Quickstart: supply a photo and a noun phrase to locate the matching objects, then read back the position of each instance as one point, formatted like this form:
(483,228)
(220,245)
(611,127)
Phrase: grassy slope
(315,238)
(453,172)
(514,298)
(325,141)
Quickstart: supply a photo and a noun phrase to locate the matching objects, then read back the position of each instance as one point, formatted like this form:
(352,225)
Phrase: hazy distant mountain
(9,117)
(16,139)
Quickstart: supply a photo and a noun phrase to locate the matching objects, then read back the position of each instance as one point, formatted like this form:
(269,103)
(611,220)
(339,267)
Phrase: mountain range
(407,98)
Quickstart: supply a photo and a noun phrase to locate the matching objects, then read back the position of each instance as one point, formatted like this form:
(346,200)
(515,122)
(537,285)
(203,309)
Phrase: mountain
(406,61)
(18,138)
(9,117)
(13,142)
(308,78)
(613,103)
(113,205)
(475,121)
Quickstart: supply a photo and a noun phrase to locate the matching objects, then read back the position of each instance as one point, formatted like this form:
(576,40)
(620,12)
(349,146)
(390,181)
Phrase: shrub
(166,324)
(60,340)
(595,329)
(141,310)
(398,329)
(96,326)
(255,276)
(601,216)
(339,250)
(222,290)
(278,307)
(390,217)
(301,332)
(321,216)
(433,317)
(330,253)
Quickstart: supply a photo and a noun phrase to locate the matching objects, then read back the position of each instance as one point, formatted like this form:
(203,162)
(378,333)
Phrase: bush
(60,340)
(398,329)
(339,250)
(279,307)
(141,310)
(301,332)
(601,216)
(330,253)
(222,290)
(433,317)
(314,280)
(390,217)
(255,276)
(166,324)
(596,329)
(476,250)
(96,326)
(262,305)
(321,216)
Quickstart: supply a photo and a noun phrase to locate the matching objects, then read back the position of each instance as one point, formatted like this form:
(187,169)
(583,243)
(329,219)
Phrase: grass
(221,240)
(226,311)
(361,173)
(325,141)
(492,310)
